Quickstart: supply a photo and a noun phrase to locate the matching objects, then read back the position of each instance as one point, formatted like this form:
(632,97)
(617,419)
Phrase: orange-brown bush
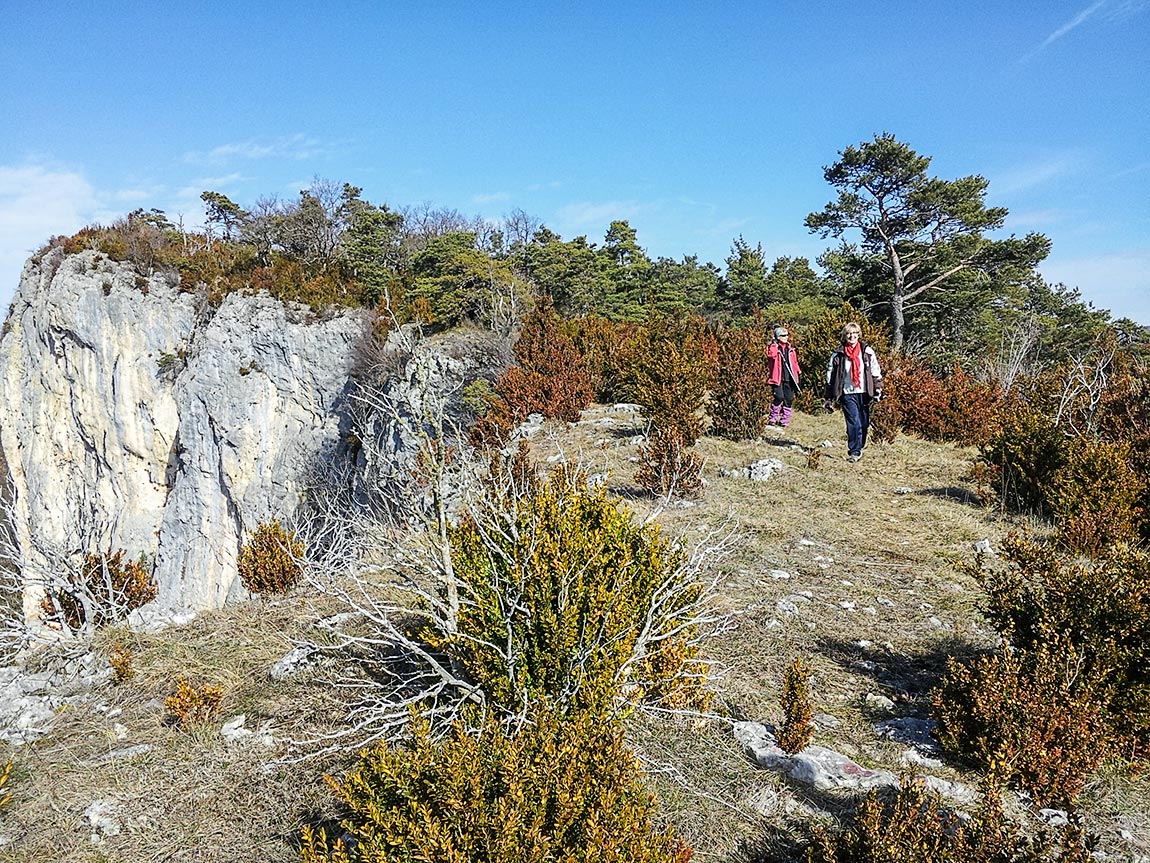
(797,729)
(604,345)
(1079,644)
(106,589)
(566,791)
(914,827)
(121,660)
(672,363)
(986,715)
(667,467)
(550,378)
(956,408)
(5,795)
(190,705)
(740,393)
(269,562)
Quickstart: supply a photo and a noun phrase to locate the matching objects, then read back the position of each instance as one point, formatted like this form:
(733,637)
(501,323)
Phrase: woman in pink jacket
(783,374)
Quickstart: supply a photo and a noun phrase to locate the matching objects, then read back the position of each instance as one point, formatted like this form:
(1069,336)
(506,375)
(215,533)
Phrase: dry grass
(880,604)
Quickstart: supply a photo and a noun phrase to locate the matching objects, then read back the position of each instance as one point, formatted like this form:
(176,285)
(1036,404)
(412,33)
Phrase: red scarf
(854,354)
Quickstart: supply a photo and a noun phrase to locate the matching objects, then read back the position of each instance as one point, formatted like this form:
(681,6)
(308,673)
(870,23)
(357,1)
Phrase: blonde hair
(849,328)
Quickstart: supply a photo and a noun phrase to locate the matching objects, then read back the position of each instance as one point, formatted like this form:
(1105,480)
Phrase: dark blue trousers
(856,409)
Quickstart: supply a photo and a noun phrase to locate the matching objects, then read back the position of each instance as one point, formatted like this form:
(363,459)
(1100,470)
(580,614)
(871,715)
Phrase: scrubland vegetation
(569,644)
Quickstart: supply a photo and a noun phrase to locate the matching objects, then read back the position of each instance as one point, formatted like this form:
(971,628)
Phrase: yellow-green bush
(570,601)
(1094,496)
(269,561)
(106,589)
(797,729)
(915,828)
(5,795)
(1025,451)
(558,792)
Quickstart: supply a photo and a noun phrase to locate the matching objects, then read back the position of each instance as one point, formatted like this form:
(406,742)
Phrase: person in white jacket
(854,379)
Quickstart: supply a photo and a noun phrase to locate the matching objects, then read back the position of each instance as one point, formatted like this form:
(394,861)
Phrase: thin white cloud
(37,202)
(492,198)
(291,147)
(1034,174)
(1117,281)
(1073,24)
(583,216)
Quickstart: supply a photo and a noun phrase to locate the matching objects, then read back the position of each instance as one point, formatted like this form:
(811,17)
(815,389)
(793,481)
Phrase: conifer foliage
(559,791)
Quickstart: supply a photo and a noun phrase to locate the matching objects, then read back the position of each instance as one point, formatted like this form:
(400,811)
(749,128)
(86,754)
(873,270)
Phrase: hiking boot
(854,456)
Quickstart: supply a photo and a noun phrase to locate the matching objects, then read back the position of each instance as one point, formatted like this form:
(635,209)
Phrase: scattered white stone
(880,702)
(781,574)
(122,754)
(825,769)
(826,720)
(120,731)
(101,817)
(600,443)
(925,606)
(597,480)
(882,600)
(983,547)
(863,644)
(233,730)
(292,662)
(1054,817)
(863,665)
(846,583)
(636,440)
(826,444)
(888,646)
(936,623)
(624,408)
(773,623)
(902,489)
(871,610)
(847,605)
(910,731)
(913,756)
(760,471)
(787,608)
(1125,835)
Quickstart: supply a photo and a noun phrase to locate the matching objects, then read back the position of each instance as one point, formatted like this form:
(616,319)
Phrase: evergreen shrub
(798,729)
(1078,636)
(557,792)
(572,604)
(1095,495)
(105,590)
(914,826)
(269,562)
(740,394)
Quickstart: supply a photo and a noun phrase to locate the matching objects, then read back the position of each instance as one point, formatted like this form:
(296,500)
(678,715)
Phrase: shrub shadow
(953,492)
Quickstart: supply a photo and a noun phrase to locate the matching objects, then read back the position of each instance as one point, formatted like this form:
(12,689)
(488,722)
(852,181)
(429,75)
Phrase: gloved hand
(828,405)
(878,396)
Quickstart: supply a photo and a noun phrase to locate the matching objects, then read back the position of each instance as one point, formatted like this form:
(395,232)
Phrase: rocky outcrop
(136,416)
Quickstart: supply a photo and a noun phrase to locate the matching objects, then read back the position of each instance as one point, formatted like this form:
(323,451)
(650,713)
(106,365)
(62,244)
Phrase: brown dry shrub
(106,590)
(121,660)
(5,795)
(797,729)
(1025,451)
(605,347)
(986,716)
(668,467)
(550,378)
(915,826)
(269,561)
(191,705)
(956,408)
(740,394)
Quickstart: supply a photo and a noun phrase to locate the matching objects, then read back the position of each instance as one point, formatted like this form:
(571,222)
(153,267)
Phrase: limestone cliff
(136,416)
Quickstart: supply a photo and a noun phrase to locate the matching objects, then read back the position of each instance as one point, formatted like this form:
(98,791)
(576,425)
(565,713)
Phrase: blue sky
(698,122)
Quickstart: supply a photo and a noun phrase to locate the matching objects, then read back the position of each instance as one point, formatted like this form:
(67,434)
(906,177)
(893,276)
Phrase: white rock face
(145,421)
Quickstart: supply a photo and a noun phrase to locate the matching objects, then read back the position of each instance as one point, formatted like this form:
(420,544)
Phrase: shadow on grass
(906,677)
(953,492)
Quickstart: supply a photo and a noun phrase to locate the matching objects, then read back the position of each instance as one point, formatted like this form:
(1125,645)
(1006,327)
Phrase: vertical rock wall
(133,416)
